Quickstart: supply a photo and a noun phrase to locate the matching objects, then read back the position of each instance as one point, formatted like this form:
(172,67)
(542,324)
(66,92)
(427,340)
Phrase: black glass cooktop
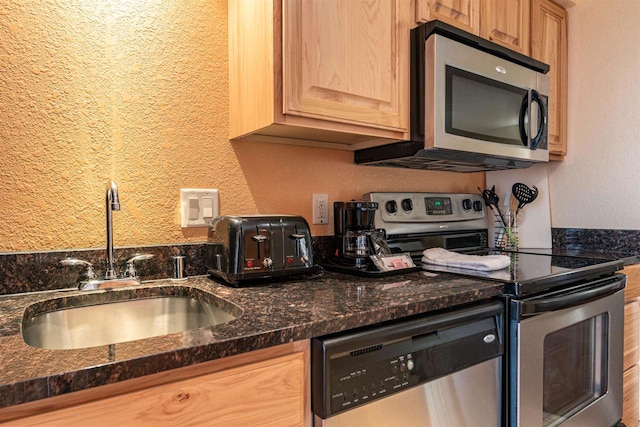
(532,273)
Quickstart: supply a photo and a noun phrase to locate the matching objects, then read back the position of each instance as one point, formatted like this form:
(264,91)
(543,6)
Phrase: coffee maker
(356,238)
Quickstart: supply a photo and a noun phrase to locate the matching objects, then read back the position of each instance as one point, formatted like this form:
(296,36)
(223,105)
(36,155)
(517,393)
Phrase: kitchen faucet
(111,280)
(112,204)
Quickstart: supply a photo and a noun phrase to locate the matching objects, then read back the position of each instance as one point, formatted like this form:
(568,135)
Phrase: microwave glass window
(482,108)
(575,368)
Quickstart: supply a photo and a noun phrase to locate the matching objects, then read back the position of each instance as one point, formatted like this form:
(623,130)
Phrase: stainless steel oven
(564,314)
(565,350)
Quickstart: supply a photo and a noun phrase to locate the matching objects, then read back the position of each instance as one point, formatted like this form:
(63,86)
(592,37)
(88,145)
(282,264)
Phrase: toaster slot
(257,249)
(297,247)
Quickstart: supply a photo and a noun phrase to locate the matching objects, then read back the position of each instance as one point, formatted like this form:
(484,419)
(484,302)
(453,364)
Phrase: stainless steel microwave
(475,106)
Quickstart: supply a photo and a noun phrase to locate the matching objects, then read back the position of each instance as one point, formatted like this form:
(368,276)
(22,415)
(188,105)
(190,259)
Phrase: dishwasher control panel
(372,381)
(355,368)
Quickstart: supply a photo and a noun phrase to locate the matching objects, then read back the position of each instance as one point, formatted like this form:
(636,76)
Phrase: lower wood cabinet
(267,387)
(631,387)
(630,396)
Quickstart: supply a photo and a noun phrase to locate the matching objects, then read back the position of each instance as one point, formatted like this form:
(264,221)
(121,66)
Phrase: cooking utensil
(524,195)
(492,200)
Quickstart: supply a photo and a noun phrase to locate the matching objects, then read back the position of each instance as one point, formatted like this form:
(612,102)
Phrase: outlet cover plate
(320,209)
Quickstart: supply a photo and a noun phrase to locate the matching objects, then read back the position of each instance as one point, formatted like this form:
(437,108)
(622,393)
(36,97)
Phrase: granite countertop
(274,314)
(626,257)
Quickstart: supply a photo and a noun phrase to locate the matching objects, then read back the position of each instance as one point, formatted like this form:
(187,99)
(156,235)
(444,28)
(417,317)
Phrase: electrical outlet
(320,208)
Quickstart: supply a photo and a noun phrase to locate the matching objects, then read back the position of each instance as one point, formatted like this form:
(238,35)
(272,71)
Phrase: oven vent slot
(366,350)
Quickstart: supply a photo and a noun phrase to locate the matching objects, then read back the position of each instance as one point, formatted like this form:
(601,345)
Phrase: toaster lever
(259,238)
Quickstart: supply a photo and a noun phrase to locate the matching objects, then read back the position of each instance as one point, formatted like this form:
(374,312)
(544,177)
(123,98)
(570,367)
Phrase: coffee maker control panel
(403,213)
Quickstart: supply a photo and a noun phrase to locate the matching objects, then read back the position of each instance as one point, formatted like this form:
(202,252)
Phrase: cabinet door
(506,22)
(347,61)
(272,392)
(549,45)
(463,14)
(630,397)
(631,333)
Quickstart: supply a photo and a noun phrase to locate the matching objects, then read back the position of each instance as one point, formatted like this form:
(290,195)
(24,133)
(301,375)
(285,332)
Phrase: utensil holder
(506,234)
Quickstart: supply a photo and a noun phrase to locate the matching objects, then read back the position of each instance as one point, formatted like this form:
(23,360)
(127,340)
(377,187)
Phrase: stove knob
(407,205)
(391,206)
(477,206)
(466,204)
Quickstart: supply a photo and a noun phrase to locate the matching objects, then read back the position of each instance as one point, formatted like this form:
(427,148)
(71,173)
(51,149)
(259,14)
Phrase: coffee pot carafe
(355,235)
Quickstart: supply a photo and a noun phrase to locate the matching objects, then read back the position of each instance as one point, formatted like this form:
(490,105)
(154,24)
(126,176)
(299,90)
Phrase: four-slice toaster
(241,249)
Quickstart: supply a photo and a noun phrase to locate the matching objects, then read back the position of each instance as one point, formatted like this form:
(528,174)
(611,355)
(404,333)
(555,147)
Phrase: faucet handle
(89,274)
(131,270)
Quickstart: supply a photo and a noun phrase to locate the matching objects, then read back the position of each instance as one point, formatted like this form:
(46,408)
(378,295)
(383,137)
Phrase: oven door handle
(547,304)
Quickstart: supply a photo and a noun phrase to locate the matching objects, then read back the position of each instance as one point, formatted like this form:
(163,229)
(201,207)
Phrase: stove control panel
(405,213)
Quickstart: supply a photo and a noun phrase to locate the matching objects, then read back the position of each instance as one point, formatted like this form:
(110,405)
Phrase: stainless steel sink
(120,316)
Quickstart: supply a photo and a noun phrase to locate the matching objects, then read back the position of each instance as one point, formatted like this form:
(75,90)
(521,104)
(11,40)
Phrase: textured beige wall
(137,91)
(598,184)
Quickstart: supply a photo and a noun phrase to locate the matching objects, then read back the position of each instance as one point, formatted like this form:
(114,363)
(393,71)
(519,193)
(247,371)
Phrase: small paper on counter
(392,262)
(443,257)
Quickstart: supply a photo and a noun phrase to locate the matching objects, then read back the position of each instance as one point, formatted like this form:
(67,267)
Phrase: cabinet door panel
(549,45)
(631,333)
(267,393)
(630,411)
(463,14)
(506,23)
(347,61)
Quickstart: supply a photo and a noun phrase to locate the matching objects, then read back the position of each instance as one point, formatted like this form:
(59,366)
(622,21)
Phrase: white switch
(198,206)
(194,208)
(207,207)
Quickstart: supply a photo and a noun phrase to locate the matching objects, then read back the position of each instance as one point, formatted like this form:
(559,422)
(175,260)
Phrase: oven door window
(481,108)
(575,368)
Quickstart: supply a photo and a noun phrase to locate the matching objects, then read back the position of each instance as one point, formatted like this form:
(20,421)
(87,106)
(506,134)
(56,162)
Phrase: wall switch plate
(198,206)
(320,208)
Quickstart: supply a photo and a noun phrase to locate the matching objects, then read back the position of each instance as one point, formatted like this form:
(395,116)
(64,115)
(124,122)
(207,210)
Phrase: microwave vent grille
(465,163)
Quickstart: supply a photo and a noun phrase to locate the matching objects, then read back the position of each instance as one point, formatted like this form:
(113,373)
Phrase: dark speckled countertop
(273,314)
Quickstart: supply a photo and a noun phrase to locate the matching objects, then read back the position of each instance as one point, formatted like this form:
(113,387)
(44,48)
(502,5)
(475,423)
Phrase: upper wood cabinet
(506,23)
(322,73)
(549,45)
(463,14)
(501,21)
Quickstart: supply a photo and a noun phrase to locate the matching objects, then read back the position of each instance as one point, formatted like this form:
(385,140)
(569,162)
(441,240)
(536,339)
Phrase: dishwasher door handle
(570,299)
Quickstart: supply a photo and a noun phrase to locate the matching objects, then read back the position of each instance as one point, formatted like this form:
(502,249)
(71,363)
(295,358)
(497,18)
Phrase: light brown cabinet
(267,387)
(503,22)
(506,23)
(321,73)
(463,14)
(549,45)
(630,385)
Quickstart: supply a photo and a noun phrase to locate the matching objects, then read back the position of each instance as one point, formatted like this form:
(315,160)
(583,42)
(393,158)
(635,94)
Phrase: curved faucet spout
(112,204)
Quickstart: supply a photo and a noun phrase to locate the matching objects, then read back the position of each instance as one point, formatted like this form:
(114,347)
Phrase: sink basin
(90,320)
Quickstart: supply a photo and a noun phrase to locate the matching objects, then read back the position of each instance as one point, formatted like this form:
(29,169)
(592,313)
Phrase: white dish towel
(441,256)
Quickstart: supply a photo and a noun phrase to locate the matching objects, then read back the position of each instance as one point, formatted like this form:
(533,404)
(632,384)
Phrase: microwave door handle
(535,97)
(524,107)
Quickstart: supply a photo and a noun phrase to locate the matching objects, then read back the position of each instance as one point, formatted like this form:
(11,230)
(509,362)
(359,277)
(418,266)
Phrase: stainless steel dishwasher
(434,370)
